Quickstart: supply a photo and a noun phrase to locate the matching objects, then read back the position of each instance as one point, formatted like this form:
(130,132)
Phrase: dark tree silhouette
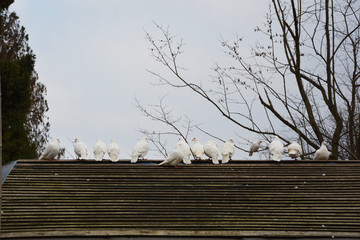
(25,126)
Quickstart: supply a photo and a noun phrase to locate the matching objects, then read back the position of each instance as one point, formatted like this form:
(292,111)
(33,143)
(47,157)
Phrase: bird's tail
(200,157)
(215,160)
(134,159)
(162,163)
(292,152)
(225,158)
(250,153)
(83,156)
(186,160)
(98,156)
(276,157)
(113,157)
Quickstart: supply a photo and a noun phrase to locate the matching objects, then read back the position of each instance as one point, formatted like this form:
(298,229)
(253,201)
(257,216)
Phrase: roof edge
(6,169)
(179,233)
(233,161)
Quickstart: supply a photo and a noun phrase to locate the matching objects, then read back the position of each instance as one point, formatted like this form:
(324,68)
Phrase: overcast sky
(92,56)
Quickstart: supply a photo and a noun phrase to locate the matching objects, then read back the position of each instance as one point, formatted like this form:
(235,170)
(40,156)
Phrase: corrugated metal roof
(267,199)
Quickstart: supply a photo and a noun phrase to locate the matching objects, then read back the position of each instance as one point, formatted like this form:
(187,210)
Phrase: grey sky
(92,55)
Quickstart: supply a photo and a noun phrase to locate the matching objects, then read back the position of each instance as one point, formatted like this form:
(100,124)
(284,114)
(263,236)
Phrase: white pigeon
(176,156)
(187,152)
(227,151)
(51,150)
(254,147)
(140,150)
(276,149)
(197,149)
(211,150)
(294,150)
(99,150)
(113,150)
(80,149)
(322,153)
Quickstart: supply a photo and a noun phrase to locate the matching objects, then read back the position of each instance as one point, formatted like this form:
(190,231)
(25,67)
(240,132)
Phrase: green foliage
(15,76)
(24,124)
(13,37)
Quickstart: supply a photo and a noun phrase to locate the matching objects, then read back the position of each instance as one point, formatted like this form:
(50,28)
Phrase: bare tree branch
(304,81)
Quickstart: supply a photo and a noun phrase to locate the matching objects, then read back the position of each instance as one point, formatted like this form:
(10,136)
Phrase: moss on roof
(243,199)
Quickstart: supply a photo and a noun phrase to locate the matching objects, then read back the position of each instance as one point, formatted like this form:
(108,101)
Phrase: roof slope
(72,198)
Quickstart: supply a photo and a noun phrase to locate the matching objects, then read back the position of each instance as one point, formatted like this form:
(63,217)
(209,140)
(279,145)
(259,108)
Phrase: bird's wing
(276,149)
(317,154)
(294,148)
(254,147)
(226,148)
(142,147)
(175,157)
(113,151)
(83,150)
(46,152)
(77,149)
(198,149)
(99,151)
(113,147)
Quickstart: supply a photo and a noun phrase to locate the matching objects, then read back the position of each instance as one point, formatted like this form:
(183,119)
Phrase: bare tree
(179,126)
(305,79)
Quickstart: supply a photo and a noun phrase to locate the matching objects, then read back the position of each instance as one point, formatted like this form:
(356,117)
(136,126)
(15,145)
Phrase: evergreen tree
(25,126)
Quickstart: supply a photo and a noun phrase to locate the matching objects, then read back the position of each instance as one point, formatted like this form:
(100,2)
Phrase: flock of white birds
(182,151)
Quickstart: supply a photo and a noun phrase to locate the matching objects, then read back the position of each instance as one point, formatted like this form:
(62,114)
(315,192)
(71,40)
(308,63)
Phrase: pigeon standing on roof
(99,150)
(113,150)
(140,150)
(227,151)
(322,153)
(187,152)
(51,150)
(294,150)
(276,149)
(197,149)
(176,156)
(211,150)
(80,149)
(254,147)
